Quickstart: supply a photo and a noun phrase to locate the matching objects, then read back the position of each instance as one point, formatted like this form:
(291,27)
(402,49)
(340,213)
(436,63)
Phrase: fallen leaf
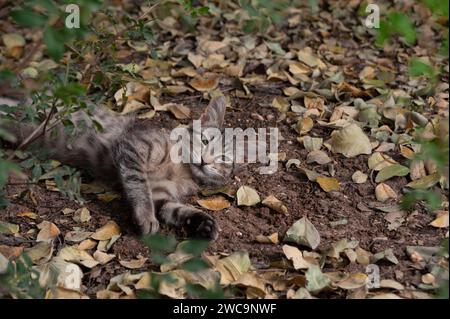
(215,203)
(391,171)
(363,257)
(387,254)
(48,231)
(12,40)
(328,184)
(304,233)
(441,221)
(317,281)
(82,215)
(378,161)
(275,204)
(10,252)
(247,196)
(30,215)
(353,281)
(180,111)
(295,255)
(319,157)
(359,177)
(312,143)
(232,267)
(205,83)
(281,104)
(309,58)
(87,244)
(425,182)
(271,239)
(134,263)
(72,254)
(304,125)
(350,141)
(383,192)
(107,231)
(8,228)
(102,257)
(40,253)
(58,272)
(391,284)
(109,196)
(77,236)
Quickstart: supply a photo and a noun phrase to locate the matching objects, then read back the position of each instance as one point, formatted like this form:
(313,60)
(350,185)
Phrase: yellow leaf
(28,214)
(328,184)
(441,221)
(215,203)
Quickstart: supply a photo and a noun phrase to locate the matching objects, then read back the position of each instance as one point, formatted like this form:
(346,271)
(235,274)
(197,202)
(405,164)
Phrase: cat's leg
(137,188)
(196,222)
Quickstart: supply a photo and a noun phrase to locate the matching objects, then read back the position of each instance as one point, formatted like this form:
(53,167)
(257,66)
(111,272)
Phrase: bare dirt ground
(353,212)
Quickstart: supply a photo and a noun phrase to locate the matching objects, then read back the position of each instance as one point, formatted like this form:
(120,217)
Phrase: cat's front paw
(148,225)
(202,225)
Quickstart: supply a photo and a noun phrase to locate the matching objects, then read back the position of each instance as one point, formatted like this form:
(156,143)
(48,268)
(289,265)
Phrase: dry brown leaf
(350,141)
(30,215)
(48,232)
(82,215)
(10,252)
(304,125)
(247,196)
(134,263)
(271,239)
(206,82)
(275,204)
(318,156)
(107,231)
(281,104)
(383,192)
(441,221)
(214,203)
(103,258)
(359,177)
(180,111)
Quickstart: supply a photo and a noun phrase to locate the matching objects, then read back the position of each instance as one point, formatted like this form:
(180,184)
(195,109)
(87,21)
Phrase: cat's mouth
(207,175)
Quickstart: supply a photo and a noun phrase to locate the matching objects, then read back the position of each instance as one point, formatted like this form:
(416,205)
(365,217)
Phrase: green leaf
(28,18)
(417,68)
(8,228)
(54,41)
(391,171)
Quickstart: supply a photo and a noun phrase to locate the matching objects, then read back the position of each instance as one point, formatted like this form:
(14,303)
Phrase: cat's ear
(214,114)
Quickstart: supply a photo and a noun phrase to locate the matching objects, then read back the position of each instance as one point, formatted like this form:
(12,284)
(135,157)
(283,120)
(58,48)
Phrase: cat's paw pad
(200,224)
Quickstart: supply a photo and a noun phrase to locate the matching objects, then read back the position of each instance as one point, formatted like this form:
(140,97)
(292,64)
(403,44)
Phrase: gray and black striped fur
(136,154)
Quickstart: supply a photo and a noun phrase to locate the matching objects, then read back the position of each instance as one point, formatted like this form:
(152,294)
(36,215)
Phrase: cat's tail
(13,131)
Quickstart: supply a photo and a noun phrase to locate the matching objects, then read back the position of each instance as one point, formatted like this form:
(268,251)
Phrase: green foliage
(262,14)
(20,280)
(438,7)
(418,68)
(160,246)
(396,23)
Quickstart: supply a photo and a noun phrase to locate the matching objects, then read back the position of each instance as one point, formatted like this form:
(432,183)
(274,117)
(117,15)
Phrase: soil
(239,226)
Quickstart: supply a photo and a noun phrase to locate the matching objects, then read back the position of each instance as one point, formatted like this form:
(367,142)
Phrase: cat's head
(214,163)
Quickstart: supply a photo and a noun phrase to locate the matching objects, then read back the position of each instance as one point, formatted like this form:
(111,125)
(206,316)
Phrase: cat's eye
(205,141)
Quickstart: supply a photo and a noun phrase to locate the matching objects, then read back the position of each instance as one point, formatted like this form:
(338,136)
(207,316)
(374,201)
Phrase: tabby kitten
(138,155)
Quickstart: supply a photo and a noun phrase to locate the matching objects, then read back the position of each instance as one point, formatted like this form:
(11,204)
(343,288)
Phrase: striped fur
(137,155)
